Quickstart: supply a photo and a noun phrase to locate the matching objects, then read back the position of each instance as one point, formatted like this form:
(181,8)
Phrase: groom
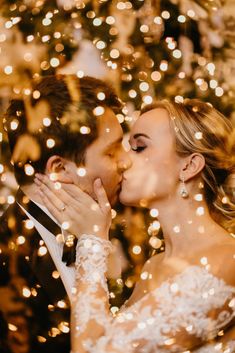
(68,130)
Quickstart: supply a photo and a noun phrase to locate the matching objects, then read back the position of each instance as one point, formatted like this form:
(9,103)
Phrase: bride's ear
(62,168)
(192,166)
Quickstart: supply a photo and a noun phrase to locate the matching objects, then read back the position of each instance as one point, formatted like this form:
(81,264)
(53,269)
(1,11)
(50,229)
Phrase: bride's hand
(74,209)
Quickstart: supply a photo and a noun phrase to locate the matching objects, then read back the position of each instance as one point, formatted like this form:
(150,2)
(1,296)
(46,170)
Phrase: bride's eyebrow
(140,135)
(134,137)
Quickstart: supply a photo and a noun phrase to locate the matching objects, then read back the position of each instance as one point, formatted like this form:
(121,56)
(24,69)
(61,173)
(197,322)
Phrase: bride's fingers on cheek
(49,183)
(66,197)
(41,179)
(59,204)
(75,192)
(101,195)
(56,188)
(37,181)
(38,175)
(60,191)
(51,208)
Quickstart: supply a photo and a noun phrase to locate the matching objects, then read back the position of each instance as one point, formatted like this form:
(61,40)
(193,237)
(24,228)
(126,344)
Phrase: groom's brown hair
(71,102)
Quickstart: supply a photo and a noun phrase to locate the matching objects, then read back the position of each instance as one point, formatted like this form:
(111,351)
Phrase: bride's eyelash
(138,149)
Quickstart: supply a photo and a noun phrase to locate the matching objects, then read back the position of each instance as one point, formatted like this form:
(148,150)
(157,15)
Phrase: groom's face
(105,158)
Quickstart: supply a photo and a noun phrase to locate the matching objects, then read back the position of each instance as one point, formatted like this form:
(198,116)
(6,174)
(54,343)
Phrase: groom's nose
(124,162)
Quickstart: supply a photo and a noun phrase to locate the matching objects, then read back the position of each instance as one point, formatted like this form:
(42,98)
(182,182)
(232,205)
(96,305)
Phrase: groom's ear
(64,169)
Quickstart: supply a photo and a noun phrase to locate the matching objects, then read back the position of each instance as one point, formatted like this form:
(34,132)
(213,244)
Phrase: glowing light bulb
(8,69)
(98,111)
(136,249)
(29,170)
(50,143)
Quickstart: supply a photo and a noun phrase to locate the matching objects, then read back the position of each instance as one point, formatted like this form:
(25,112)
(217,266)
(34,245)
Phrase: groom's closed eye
(115,143)
(110,153)
(113,148)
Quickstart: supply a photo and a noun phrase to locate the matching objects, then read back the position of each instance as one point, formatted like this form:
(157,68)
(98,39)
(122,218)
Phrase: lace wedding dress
(193,306)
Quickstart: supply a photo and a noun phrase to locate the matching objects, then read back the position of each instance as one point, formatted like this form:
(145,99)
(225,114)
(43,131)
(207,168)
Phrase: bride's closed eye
(138,149)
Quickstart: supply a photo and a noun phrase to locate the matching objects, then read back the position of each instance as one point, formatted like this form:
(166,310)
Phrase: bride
(182,155)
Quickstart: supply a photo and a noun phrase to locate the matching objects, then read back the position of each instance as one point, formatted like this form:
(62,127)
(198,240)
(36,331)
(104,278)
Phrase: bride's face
(154,172)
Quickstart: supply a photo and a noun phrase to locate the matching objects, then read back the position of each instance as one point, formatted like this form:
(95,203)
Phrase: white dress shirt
(67,273)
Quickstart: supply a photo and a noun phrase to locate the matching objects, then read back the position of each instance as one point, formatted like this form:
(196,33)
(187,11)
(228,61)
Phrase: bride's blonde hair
(201,128)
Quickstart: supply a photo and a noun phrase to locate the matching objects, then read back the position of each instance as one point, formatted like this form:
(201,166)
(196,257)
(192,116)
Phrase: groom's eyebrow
(113,143)
(140,135)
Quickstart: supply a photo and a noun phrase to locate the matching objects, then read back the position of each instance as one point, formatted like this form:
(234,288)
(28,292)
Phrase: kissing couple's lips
(119,185)
(124,178)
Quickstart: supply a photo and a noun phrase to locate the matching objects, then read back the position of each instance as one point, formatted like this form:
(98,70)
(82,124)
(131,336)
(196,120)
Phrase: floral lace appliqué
(180,304)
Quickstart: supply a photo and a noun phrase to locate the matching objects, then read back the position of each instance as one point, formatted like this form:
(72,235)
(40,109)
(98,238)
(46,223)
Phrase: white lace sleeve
(184,312)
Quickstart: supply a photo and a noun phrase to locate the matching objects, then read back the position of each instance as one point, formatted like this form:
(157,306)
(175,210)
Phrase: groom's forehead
(113,143)
(110,140)
(109,127)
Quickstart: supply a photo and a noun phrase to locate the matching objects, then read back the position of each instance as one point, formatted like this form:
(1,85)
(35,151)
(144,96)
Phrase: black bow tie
(69,251)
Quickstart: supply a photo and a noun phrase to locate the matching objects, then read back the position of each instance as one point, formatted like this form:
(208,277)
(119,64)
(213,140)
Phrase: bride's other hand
(74,209)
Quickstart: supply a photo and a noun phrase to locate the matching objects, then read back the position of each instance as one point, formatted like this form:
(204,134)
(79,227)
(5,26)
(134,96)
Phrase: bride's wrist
(90,240)
(99,233)
(104,235)
(92,255)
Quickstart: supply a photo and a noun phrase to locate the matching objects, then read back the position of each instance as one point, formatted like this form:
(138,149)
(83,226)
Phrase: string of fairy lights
(116,59)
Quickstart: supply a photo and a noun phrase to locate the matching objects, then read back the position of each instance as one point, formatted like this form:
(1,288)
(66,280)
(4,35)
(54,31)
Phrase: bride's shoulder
(219,259)
(144,284)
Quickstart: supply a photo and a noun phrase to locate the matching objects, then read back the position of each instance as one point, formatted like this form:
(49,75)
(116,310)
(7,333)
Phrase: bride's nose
(124,162)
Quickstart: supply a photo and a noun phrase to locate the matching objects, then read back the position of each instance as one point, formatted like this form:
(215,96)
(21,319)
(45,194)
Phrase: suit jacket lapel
(42,266)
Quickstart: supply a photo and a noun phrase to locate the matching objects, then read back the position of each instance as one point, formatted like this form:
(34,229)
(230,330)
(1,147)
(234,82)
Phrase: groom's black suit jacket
(46,311)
